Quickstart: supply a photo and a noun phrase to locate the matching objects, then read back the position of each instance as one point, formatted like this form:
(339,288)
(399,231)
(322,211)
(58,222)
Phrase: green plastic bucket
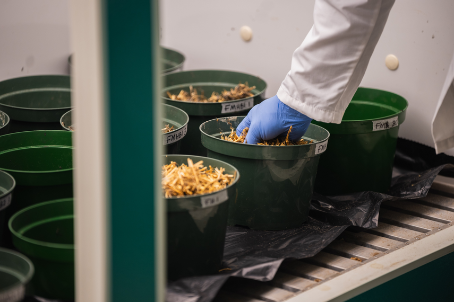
(41,164)
(35,102)
(4,123)
(16,270)
(362,147)
(196,225)
(172,60)
(7,185)
(173,116)
(277,181)
(209,81)
(178,118)
(44,232)
(66,122)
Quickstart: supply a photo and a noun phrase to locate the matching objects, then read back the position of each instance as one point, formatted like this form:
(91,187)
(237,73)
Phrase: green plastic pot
(172,60)
(44,232)
(16,270)
(41,164)
(4,123)
(196,225)
(277,181)
(7,185)
(35,102)
(173,116)
(65,121)
(178,118)
(362,147)
(209,81)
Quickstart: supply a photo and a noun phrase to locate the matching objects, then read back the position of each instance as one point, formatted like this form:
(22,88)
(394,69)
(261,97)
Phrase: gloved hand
(271,119)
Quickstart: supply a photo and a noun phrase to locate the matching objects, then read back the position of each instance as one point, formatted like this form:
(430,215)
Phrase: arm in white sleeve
(329,65)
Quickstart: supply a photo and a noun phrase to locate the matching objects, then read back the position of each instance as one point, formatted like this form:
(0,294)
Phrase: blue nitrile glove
(271,119)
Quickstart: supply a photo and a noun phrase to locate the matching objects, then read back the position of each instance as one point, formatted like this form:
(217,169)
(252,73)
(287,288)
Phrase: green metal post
(134,149)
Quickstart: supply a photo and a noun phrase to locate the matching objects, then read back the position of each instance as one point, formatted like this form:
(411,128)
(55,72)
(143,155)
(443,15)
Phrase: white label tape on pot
(385,124)
(5,202)
(321,147)
(237,106)
(214,199)
(175,136)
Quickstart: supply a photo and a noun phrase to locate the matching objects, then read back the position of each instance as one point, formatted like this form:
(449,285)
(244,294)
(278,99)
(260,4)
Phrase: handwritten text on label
(175,136)
(214,199)
(237,106)
(321,147)
(385,124)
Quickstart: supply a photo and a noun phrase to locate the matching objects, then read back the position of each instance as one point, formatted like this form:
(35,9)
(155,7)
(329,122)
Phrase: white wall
(34,39)
(419,33)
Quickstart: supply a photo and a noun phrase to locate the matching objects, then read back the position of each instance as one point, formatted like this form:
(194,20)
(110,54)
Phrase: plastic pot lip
(199,195)
(262,146)
(36,172)
(31,89)
(37,131)
(170,70)
(375,119)
(30,273)
(382,117)
(212,70)
(34,109)
(39,76)
(178,109)
(8,119)
(34,241)
(12,187)
(180,64)
(61,120)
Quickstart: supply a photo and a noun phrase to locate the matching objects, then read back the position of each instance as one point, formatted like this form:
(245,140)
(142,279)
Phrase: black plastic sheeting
(412,156)
(258,254)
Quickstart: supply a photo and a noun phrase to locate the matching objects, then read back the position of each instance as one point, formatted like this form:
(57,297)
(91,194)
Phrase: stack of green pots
(35,102)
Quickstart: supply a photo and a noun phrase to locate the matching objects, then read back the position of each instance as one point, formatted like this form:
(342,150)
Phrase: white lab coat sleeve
(329,65)
(442,125)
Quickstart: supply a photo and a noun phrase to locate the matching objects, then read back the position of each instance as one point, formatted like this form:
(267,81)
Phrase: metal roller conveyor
(410,233)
